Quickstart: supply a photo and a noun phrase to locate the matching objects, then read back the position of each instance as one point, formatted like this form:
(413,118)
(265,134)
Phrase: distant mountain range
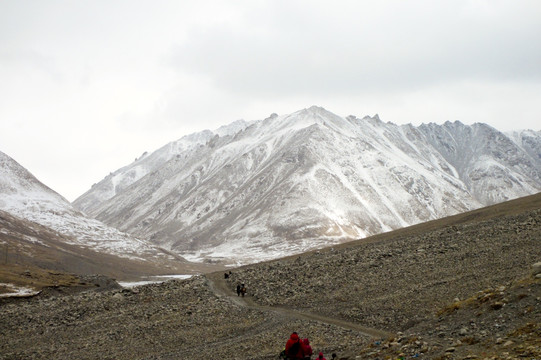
(290,183)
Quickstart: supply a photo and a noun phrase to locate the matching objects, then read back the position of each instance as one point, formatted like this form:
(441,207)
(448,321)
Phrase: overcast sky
(88,86)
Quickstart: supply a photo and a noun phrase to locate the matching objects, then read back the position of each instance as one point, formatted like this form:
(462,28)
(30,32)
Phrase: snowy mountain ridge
(119,180)
(295,182)
(25,197)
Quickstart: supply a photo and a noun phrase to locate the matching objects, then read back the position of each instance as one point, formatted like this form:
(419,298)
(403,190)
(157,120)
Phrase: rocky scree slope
(394,283)
(502,322)
(463,290)
(173,320)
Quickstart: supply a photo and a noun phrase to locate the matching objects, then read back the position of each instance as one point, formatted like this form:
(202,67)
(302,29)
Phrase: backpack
(294,349)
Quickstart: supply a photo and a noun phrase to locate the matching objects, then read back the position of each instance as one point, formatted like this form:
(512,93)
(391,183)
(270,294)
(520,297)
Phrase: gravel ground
(462,291)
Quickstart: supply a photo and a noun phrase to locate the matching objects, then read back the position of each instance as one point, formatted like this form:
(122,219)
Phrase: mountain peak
(272,116)
(16,181)
(375,117)
(318,110)
(313,111)
(321,116)
(232,128)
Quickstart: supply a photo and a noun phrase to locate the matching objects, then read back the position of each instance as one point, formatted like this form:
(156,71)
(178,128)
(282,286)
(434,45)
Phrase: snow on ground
(245,251)
(16,291)
(152,280)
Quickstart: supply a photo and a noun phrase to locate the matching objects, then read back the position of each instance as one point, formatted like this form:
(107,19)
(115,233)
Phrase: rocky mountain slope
(456,288)
(122,178)
(40,228)
(296,182)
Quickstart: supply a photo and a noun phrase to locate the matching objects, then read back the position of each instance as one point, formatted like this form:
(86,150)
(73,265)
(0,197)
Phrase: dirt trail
(220,288)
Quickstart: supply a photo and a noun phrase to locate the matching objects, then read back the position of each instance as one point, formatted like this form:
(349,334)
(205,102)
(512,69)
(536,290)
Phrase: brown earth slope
(34,256)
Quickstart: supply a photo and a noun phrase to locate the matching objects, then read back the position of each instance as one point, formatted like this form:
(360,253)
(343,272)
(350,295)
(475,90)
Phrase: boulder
(536,268)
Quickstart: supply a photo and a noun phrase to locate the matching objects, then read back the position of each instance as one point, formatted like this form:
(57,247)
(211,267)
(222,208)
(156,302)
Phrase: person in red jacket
(307,349)
(294,347)
(320,357)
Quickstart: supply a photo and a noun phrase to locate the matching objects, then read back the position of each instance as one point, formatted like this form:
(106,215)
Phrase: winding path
(221,289)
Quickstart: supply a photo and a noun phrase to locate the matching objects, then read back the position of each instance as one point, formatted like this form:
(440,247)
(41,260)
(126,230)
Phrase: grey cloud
(30,59)
(293,50)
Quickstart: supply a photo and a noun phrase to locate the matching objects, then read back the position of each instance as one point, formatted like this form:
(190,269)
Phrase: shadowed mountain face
(296,182)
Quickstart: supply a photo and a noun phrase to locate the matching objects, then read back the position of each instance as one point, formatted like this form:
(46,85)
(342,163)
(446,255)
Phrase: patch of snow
(34,240)
(153,280)
(17,291)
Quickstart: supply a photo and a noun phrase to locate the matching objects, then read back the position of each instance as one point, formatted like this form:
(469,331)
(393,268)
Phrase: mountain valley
(284,198)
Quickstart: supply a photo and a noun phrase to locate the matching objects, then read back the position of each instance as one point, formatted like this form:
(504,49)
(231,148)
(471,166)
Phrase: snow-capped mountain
(26,198)
(530,142)
(122,178)
(291,183)
(492,165)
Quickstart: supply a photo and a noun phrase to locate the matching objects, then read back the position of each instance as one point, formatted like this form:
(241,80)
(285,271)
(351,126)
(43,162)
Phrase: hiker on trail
(238,289)
(307,349)
(243,290)
(320,357)
(333,356)
(294,347)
